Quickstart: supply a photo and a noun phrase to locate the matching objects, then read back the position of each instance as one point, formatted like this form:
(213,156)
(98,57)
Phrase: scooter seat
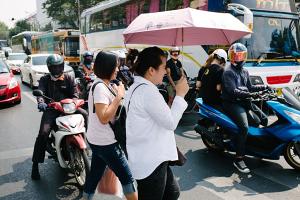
(214,114)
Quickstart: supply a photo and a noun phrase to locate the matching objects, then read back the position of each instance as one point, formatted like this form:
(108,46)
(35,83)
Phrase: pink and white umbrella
(185,27)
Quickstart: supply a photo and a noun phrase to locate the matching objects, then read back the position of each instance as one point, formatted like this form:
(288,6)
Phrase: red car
(10,91)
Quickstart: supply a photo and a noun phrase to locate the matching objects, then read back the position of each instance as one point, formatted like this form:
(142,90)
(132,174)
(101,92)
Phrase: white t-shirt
(98,133)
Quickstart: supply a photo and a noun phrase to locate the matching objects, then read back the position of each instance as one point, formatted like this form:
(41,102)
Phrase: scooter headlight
(69,108)
(294,116)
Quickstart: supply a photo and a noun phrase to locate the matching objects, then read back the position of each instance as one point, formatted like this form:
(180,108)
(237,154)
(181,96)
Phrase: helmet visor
(237,56)
(89,58)
(56,70)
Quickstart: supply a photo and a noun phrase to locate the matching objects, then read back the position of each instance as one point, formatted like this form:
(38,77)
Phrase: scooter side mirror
(37,93)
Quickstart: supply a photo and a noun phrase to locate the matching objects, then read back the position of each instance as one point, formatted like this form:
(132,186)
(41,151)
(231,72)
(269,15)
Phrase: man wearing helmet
(87,64)
(236,88)
(174,72)
(57,86)
(210,78)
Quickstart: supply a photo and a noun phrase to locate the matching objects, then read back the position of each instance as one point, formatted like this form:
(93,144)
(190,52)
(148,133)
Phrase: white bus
(103,24)
(273,48)
(21,43)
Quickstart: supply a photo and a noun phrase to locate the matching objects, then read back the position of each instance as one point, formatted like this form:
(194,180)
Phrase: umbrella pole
(182,48)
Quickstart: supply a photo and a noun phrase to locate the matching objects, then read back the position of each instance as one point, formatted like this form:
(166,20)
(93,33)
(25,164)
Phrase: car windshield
(274,37)
(3,67)
(17,57)
(39,60)
(3,43)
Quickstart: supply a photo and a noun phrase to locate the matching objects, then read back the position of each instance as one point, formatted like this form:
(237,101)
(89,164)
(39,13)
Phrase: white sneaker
(241,166)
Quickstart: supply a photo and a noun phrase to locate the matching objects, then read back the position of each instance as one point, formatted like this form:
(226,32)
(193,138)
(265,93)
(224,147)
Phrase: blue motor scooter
(281,137)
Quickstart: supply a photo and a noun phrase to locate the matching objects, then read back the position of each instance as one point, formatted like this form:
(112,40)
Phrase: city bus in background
(21,43)
(63,42)
(273,47)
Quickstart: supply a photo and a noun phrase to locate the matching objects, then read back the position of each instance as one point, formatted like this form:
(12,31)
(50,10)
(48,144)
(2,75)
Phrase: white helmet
(172,49)
(121,53)
(221,53)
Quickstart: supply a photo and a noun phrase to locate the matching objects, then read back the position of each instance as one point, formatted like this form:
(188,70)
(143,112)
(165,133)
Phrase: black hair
(105,64)
(131,56)
(149,57)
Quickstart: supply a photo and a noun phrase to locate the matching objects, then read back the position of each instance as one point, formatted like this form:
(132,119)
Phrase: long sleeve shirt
(236,84)
(57,90)
(150,126)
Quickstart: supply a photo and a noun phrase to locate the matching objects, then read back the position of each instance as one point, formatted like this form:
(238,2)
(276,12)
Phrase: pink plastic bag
(109,183)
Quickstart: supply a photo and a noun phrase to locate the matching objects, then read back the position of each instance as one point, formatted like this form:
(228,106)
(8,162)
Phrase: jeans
(160,185)
(48,123)
(241,116)
(113,157)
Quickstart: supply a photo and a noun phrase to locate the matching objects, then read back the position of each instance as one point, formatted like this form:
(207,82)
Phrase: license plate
(279,91)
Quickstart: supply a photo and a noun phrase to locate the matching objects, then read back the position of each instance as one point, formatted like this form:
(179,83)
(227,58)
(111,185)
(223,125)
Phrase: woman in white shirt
(103,106)
(150,126)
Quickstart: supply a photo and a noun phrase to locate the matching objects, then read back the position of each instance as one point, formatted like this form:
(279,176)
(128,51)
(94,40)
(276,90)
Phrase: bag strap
(93,88)
(132,94)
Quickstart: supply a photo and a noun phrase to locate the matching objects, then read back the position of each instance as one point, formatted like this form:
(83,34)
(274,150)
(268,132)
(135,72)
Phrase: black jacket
(57,90)
(236,84)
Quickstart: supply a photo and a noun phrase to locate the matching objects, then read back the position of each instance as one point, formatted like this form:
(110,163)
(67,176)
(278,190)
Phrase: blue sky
(17,9)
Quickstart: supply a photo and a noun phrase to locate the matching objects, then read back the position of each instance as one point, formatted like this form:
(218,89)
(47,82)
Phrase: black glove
(42,106)
(271,90)
(254,95)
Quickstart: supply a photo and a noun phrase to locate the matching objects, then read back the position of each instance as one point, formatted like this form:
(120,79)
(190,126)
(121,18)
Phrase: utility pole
(78,5)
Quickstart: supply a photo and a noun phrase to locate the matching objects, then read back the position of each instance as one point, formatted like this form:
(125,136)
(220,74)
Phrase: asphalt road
(206,175)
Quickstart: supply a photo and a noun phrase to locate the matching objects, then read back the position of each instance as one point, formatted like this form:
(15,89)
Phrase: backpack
(119,126)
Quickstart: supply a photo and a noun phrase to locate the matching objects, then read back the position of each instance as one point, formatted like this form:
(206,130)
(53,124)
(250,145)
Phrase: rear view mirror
(37,93)
(246,12)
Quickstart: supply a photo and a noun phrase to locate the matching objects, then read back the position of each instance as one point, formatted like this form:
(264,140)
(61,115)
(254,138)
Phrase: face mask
(238,65)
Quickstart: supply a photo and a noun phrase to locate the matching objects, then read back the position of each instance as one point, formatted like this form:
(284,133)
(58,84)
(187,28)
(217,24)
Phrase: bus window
(82,25)
(106,20)
(71,46)
(96,23)
(277,38)
(3,43)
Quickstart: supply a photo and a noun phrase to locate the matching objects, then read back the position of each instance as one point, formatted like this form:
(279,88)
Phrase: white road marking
(28,94)
(12,188)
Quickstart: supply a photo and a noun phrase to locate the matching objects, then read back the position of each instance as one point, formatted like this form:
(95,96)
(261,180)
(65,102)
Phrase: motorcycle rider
(87,64)
(124,73)
(174,72)
(56,86)
(236,88)
(210,78)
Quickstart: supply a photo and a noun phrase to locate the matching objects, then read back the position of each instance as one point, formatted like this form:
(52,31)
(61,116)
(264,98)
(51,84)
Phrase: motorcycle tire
(291,155)
(79,165)
(210,145)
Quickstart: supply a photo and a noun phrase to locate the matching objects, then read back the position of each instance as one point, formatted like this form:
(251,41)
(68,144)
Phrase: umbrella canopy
(185,27)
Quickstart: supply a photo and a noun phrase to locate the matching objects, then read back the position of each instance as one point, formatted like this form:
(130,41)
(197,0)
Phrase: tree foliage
(48,27)
(3,31)
(20,26)
(65,12)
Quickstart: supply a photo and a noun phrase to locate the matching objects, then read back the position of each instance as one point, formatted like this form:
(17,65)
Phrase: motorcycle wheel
(291,156)
(79,165)
(210,145)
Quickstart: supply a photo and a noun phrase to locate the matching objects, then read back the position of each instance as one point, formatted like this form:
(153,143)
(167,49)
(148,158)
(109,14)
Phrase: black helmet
(87,57)
(55,64)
